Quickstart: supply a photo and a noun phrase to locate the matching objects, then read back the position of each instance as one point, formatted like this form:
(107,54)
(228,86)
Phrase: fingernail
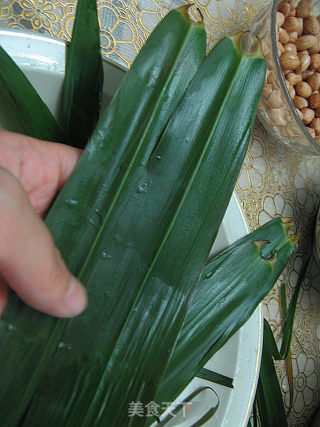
(76,298)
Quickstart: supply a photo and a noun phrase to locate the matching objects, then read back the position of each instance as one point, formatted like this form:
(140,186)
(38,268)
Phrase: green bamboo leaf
(110,167)
(161,237)
(288,327)
(269,395)
(31,112)
(255,414)
(289,321)
(82,89)
(271,343)
(224,80)
(215,377)
(268,403)
(146,98)
(223,303)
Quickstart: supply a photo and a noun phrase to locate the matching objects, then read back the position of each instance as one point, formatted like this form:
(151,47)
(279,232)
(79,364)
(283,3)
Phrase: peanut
(298,46)
(284,8)
(304,8)
(306,41)
(274,100)
(315,61)
(316,47)
(266,91)
(303,89)
(311,25)
(292,12)
(304,59)
(272,78)
(280,48)
(293,3)
(299,113)
(291,24)
(300,102)
(290,47)
(293,36)
(314,82)
(300,26)
(289,61)
(291,89)
(306,74)
(294,78)
(311,131)
(315,124)
(280,19)
(307,115)
(314,100)
(283,36)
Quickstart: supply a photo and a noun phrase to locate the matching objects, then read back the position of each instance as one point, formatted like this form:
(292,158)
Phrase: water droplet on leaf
(71,202)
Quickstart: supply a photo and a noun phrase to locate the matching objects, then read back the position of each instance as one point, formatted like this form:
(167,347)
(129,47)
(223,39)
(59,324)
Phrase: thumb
(30,263)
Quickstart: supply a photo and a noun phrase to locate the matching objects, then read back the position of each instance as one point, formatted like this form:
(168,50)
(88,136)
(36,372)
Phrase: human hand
(31,173)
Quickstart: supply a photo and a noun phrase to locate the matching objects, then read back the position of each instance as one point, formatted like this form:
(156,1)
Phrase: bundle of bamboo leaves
(136,222)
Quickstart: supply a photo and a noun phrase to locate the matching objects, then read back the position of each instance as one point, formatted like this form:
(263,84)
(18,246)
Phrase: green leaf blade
(33,115)
(289,321)
(175,192)
(221,304)
(82,90)
(183,271)
(215,377)
(269,395)
(82,206)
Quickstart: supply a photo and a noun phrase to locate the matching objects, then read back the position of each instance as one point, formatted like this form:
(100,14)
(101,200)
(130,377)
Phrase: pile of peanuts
(298,35)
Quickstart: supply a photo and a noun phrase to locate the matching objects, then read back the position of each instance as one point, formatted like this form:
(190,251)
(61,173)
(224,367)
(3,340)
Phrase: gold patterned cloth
(272,181)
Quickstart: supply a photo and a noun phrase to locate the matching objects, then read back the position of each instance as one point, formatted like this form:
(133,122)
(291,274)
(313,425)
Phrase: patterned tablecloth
(272,181)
